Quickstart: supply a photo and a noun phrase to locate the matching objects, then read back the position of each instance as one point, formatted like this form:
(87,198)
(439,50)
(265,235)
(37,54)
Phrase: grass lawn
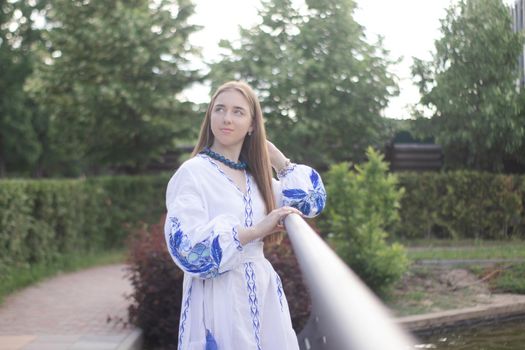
(19,278)
(452,250)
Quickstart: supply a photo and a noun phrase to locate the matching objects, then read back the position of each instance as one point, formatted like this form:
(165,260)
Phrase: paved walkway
(75,311)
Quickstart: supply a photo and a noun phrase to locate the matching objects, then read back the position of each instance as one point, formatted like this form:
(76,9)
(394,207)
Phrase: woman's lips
(226,130)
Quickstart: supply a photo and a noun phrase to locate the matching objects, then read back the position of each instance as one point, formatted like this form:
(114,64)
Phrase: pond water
(503,336)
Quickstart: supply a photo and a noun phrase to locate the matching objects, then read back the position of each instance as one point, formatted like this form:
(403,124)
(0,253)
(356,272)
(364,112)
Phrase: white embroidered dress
(231,293)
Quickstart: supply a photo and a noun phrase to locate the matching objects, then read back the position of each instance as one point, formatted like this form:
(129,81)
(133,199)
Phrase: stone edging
(512,306)
(454,262)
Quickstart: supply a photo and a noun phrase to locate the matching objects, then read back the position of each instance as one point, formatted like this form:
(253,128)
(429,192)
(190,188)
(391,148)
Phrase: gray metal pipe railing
(346,315)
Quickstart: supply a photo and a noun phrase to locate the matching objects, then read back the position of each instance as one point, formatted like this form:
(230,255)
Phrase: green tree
(470,86)
(362,207)
(108,79)
(19,145)
(321,84)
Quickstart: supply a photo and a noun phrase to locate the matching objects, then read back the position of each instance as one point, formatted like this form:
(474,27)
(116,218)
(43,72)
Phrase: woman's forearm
(247,234)
(277,158)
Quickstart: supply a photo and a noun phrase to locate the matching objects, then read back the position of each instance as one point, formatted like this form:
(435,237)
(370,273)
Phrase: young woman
(222,204)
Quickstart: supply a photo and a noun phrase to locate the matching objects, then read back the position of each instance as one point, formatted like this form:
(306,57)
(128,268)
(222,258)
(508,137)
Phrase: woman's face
(230,119)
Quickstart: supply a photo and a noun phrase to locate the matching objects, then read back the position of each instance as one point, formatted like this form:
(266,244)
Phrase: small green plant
(511,280)
(363,205)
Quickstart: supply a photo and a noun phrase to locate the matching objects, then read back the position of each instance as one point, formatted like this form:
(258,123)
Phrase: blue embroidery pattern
(236,239)
(279,290)
(249,273)
(248,211)
(203,258)
(286,170)
(309,203)
(184,317)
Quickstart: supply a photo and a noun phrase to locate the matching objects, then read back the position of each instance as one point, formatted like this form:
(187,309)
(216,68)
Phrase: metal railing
(346,315)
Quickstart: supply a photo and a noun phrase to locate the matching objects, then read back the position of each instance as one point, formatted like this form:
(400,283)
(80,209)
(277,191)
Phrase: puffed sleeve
(301,187)
(201,246)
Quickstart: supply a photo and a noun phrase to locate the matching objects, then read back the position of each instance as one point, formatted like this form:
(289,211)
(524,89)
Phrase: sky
(408,27)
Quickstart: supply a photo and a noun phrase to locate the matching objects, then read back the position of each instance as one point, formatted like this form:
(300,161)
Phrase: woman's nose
(227,117)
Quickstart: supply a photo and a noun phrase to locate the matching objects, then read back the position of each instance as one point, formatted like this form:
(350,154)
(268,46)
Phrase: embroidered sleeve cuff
(231,247)
(303,189)
(236,239)
(286,170)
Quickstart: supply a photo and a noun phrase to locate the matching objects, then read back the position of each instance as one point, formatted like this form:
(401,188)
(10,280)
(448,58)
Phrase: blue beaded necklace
(239,166)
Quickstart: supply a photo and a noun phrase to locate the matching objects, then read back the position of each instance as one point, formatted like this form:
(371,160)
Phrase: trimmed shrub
(130,200)
(419,206)
(43,220)
(520,185)
(461,204)
(362,206)
(15,224)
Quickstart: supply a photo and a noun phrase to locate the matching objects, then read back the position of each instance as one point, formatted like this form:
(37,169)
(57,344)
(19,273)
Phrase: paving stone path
(71,311)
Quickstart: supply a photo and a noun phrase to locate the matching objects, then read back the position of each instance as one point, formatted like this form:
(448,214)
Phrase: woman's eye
(239,112)
(219,109)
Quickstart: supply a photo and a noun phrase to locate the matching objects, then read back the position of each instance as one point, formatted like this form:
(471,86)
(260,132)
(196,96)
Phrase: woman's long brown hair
(254,150)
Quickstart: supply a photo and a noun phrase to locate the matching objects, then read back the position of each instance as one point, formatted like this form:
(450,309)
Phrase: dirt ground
(426,289)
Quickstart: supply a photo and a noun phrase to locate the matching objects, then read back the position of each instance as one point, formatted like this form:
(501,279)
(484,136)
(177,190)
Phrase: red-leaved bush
(157,283)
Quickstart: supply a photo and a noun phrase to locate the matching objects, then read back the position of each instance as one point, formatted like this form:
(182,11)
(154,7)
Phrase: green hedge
(42,220)
(462,204)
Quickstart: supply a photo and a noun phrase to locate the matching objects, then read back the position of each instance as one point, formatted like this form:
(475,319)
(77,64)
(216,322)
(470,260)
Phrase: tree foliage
(470,86)
(19,146)
(107,80)
(321,84)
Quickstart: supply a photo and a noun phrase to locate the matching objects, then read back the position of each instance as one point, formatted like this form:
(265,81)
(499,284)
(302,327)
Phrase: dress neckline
(246,177)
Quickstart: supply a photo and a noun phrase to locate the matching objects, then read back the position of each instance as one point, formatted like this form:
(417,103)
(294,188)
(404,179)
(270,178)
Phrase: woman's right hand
(270,224)
(273,222)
